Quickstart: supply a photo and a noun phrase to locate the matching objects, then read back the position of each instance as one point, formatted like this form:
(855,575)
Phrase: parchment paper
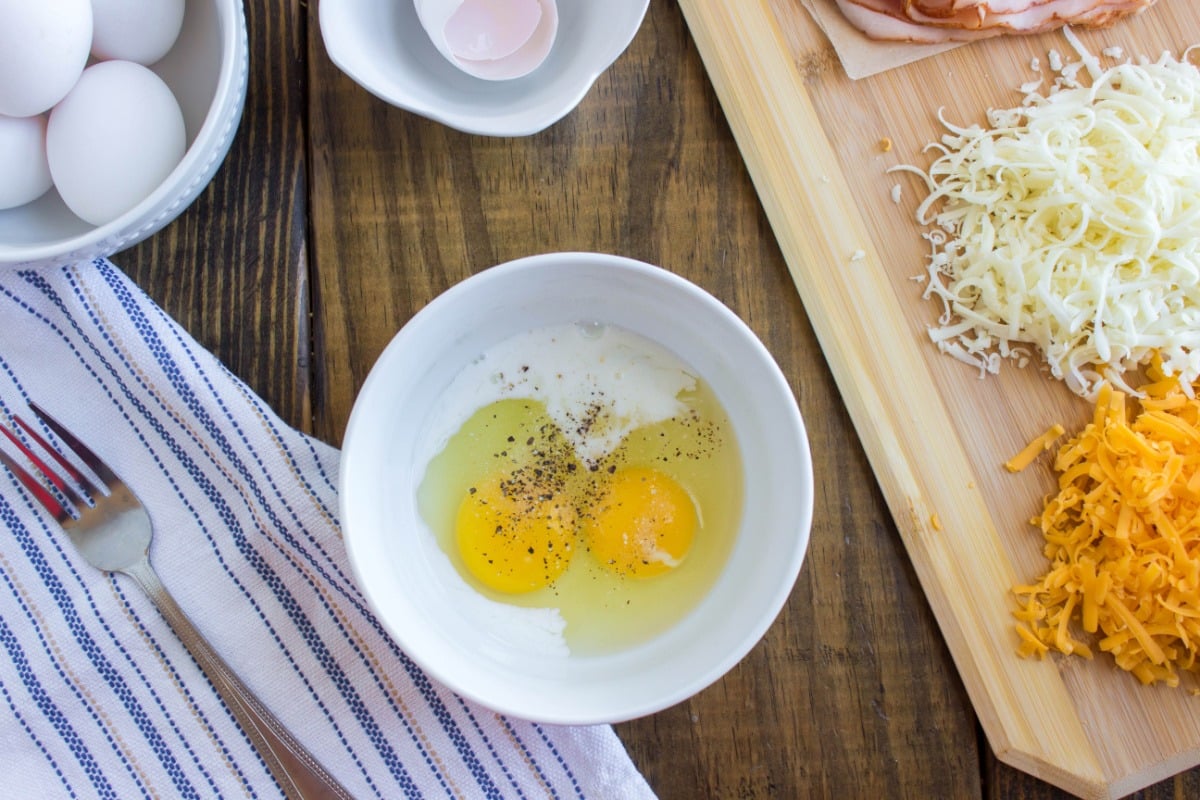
(861,56)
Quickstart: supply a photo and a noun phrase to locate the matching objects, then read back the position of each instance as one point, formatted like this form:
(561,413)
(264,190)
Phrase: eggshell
(24,173)
(113,140)
(135,30)
(491,39)
(44,47)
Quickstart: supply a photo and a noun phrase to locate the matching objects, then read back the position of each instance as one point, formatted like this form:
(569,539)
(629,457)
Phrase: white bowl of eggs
(114,115)
(576,488)
(491,67)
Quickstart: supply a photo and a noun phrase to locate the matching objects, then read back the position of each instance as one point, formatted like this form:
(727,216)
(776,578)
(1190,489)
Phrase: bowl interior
(398,564)
(382,46)
(202,71)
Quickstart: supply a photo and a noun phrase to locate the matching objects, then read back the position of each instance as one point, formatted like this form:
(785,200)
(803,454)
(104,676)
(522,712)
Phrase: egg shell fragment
(24,172)
(44,47)
(113,140)
(491,39)
(142,31)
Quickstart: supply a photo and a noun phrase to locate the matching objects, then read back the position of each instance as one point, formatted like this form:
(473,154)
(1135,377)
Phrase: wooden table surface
(336,217)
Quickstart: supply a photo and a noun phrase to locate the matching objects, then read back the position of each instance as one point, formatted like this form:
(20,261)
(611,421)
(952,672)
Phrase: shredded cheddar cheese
(1122,535)
(1032,450)
(1069,226)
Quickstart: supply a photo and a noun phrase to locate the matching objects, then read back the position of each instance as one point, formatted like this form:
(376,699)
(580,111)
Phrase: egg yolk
(514,536)
(642,524)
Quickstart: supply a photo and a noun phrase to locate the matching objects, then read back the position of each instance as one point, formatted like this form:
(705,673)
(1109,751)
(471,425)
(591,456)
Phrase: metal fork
(113,533)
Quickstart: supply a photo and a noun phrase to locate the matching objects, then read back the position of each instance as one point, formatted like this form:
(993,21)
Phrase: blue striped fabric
(97,696)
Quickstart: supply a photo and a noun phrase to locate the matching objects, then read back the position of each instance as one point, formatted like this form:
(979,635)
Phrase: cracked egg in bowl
(576,488)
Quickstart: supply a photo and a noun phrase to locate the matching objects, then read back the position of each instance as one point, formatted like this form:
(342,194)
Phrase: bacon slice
(1024,16)
(936,21)
(885,20)
(979,8)
(953,13)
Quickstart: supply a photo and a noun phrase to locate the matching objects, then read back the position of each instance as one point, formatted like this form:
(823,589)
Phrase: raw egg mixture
(593,474)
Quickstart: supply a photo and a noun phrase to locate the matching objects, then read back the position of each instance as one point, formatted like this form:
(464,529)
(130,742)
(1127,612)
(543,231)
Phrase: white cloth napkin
(98,698)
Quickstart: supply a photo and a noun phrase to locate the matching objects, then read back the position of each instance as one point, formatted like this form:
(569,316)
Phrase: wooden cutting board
(937,435)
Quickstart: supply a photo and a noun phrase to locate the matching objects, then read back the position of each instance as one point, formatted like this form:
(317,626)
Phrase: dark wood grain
(233,268)
(336,217)
(1002,781)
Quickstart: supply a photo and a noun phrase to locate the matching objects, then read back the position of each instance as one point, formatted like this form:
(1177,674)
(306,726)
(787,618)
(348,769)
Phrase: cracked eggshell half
(491,39)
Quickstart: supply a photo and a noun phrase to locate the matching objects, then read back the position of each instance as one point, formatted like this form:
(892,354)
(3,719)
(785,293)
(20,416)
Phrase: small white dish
(383,47)
(207,70)
(397,563)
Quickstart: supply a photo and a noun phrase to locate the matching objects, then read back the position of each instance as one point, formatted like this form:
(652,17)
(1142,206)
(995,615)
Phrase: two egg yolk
(639,523)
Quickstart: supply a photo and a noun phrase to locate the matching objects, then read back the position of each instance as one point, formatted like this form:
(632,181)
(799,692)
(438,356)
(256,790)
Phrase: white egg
(135,30)
(114,139)
(44,47)
(491,39)
(24,173)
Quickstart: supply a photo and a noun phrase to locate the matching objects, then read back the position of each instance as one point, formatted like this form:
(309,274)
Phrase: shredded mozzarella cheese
(1072,224)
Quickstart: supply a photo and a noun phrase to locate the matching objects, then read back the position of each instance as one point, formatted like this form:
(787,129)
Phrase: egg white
(585,371)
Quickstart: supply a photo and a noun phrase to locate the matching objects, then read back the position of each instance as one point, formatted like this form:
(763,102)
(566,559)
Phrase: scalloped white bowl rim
(381,45)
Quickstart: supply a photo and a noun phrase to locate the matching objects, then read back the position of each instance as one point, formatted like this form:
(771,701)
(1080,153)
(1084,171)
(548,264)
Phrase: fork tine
(39,492)
(51,475)
(83,451)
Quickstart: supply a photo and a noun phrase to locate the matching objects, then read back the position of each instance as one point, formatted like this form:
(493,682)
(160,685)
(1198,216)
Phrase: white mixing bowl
(207,70)
(392,554)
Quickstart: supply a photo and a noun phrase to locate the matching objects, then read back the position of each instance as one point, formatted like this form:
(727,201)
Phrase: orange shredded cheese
(1035,448)
(1122,535)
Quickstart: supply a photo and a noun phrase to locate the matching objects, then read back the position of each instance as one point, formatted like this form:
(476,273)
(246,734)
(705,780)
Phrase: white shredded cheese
(1071,225)
(896,193)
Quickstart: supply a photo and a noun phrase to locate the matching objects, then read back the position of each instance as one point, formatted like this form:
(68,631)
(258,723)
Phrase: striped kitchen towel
(97,696)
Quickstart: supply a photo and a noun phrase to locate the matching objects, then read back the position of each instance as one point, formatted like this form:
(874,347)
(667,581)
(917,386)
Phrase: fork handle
(298,773)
